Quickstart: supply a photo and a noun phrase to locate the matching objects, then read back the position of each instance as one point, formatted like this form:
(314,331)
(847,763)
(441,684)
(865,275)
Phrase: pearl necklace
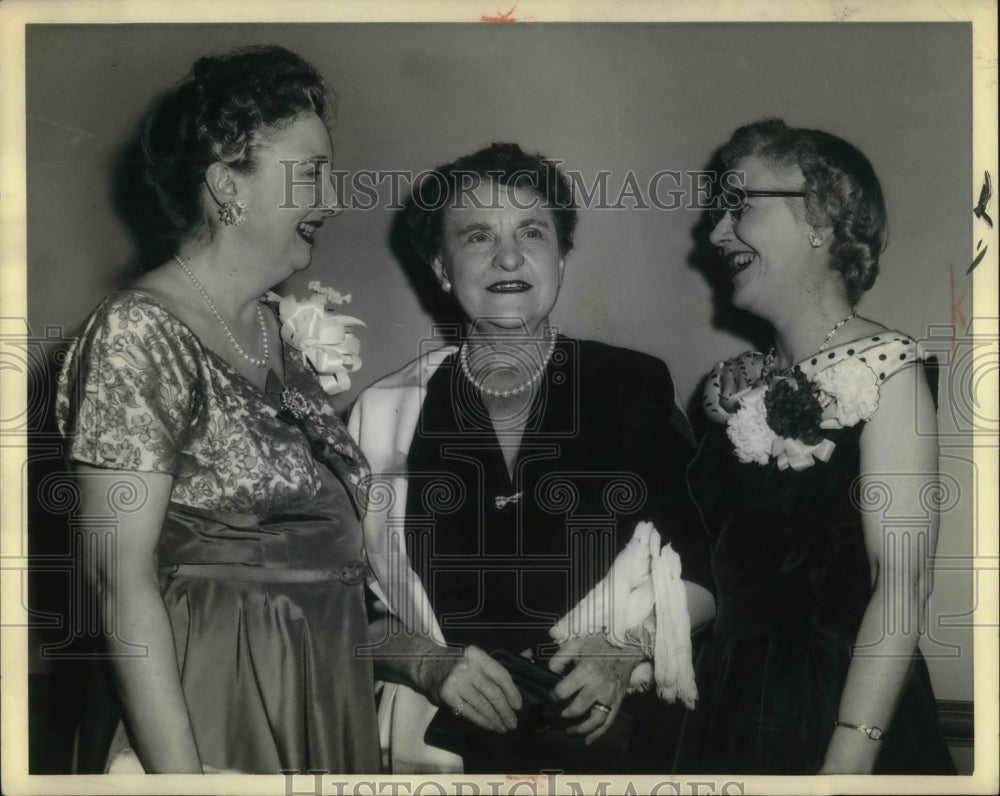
(263,361)
(463,357)
(773,352)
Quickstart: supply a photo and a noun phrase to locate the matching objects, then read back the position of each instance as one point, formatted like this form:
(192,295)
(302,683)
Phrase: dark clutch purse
(540,740)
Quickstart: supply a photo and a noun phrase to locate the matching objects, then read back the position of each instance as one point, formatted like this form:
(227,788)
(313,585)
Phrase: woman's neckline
(862,343)
(218,358)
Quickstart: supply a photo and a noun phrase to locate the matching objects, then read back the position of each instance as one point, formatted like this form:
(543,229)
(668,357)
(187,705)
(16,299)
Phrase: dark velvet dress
(502,559)
(793,582)
(260,554)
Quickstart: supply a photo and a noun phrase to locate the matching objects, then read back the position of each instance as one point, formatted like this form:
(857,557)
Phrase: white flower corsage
(748,430)
(323,337)
(854,389)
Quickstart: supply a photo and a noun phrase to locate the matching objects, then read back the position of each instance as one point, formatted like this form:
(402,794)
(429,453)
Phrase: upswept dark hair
(841,188)
(221,112)
(505,164)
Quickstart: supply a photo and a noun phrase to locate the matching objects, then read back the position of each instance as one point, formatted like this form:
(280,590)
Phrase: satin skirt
(269,625)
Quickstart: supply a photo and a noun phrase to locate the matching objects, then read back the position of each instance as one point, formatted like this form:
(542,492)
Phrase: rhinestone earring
(815,239)
(233,212)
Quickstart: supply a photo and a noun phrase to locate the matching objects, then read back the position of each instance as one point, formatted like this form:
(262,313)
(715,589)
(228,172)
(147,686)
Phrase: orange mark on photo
(498,17)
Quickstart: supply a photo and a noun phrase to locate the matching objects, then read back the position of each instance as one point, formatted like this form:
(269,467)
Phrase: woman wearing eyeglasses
(813,664)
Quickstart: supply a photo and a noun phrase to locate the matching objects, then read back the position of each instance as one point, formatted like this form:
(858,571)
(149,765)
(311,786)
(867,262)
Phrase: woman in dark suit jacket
(519,465)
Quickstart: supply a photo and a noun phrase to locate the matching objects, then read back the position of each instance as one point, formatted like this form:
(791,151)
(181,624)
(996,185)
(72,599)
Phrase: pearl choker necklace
(463,357)
(773,352)
(263,361)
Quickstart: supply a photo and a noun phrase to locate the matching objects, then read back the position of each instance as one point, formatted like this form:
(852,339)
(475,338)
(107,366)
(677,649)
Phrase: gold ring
(601,707)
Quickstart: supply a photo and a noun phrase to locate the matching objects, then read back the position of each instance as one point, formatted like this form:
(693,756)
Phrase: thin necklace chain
(463,357)
(261,362)
(773,352)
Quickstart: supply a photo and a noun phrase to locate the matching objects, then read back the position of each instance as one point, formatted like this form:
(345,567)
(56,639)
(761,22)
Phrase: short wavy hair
(842,192)
(506,164)
(221,113)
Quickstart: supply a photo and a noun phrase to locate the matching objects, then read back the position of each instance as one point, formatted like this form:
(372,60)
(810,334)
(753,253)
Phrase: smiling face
(288,195)
(501,256)
(767,249)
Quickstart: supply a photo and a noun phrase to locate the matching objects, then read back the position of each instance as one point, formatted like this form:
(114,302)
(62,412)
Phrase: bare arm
(701,604)
(132,613)
(897,462)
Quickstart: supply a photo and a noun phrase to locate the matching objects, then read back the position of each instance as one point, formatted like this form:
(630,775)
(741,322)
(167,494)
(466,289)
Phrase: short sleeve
(850,376)
(128,388)
(885,354)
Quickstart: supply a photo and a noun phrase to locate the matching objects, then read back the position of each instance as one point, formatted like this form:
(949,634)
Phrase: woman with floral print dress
(239,567)
(813,665)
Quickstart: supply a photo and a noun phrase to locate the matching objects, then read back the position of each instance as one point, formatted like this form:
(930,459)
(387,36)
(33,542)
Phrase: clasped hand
(595,685)
(476,687)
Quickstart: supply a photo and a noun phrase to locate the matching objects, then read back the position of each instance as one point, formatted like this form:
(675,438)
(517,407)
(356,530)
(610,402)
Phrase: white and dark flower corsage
(784,419)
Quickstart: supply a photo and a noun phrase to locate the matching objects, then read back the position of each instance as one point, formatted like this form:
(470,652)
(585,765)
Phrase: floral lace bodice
(138,391)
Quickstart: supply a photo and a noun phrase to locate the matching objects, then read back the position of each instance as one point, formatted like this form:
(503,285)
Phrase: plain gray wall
(599,97)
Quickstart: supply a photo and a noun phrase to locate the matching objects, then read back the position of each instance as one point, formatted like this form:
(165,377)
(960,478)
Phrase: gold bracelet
(875,733)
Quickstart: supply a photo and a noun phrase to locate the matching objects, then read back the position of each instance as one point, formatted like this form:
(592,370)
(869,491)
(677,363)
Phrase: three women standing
(240,570)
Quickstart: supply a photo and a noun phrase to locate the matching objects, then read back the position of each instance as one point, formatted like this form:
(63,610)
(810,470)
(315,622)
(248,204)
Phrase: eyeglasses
(716,214)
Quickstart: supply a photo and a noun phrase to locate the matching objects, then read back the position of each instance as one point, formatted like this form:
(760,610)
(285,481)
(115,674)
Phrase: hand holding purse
(540,740)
